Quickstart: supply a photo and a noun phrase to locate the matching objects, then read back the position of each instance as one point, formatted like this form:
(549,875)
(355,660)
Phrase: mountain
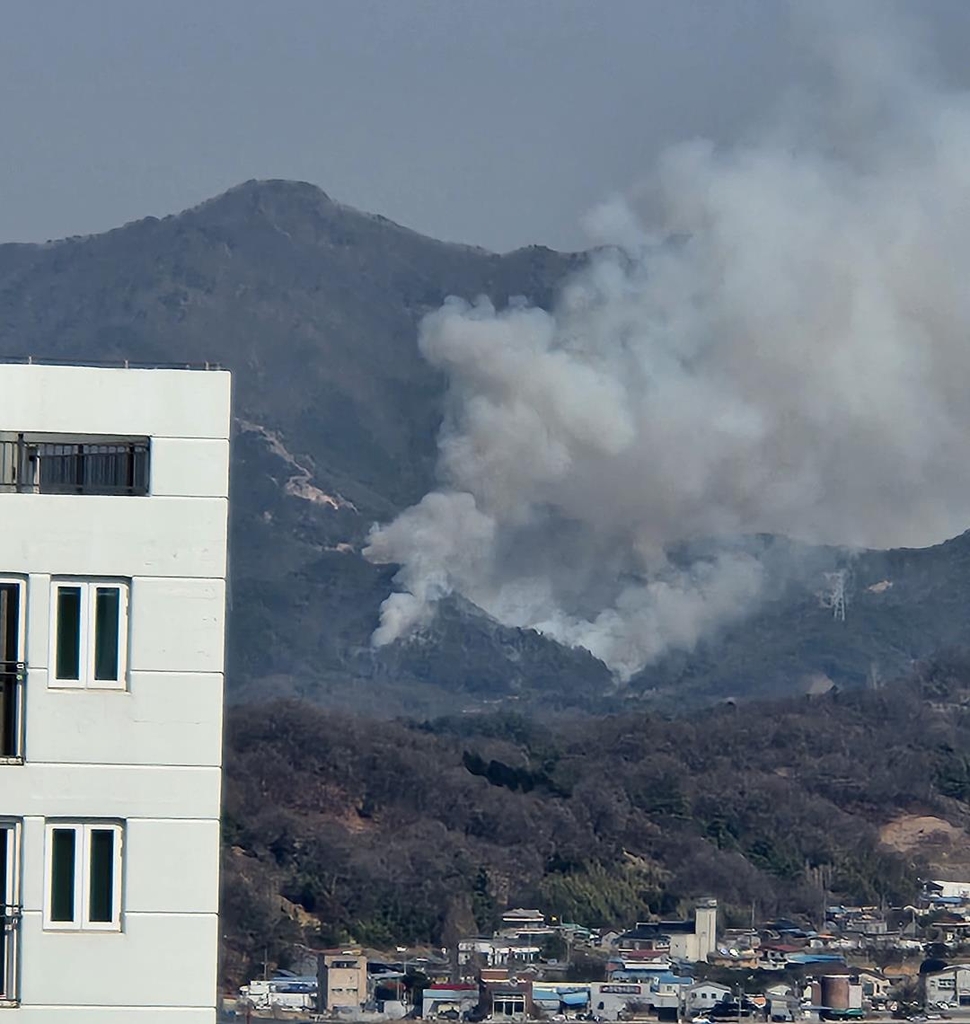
(900,607)
(315,308)
(393,832)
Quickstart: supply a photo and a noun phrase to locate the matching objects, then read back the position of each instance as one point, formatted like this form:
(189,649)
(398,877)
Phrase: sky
(498,123)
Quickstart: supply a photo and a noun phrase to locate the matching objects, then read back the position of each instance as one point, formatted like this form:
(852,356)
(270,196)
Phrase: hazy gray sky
(495,122)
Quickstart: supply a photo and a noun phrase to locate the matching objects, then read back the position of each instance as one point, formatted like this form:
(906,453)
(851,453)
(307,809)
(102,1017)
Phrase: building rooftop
(108,364)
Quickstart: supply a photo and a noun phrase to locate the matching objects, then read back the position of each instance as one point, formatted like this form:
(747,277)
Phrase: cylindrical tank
(835,992)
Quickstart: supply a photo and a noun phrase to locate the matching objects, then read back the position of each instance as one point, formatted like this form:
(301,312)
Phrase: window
(9,910)
(12,669)
(90,634)
(83,876)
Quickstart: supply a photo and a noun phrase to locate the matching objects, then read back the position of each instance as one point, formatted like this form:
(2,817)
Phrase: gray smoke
(778,341)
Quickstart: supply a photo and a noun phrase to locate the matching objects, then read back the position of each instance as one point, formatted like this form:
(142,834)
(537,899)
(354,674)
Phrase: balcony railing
(12,676)
(74,467)
(10,915)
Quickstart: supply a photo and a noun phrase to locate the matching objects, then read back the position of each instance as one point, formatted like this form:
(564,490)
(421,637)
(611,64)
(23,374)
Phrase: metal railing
(12,726)
(111,364)
(74,467)
(10,915)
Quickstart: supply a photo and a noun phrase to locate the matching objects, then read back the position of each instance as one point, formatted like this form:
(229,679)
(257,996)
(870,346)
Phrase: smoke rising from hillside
(778,342)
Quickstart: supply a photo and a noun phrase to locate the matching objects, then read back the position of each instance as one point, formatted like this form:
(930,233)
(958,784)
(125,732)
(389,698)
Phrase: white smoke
(783,347)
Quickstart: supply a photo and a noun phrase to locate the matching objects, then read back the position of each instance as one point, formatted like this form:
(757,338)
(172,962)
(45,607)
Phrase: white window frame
(89,589)
(82,876)
(11,897)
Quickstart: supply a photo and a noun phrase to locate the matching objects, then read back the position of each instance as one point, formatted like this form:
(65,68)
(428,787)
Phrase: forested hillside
(387,832)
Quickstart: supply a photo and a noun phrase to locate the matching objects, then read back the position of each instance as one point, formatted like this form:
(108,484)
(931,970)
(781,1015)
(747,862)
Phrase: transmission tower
(835,598)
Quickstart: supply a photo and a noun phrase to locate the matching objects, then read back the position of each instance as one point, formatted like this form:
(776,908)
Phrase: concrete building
(113,499)
(942,889)
(342,981)
(507,999)
(613,1000)
(951,985)
(444,997)
(684,940)
(521,919)
(703,995)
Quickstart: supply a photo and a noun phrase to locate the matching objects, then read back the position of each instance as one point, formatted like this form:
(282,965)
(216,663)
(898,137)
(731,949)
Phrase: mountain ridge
(315,308)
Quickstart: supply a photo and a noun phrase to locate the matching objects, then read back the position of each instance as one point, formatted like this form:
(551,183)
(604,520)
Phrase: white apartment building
(113,517)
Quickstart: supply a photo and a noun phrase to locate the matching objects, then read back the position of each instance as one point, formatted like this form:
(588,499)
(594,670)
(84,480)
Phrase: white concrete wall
(705,928)
(154,961)
(189,467)
(148,755)
(90,534)
(94,400)
(162,719)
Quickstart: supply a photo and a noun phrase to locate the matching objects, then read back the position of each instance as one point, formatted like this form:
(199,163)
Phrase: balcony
(56,464)
(9,950)
(12,676)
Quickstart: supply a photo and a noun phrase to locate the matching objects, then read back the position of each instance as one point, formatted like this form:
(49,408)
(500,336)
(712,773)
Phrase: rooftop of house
(657,929)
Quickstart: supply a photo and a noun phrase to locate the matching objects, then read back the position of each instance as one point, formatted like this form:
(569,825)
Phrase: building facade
(950,986)
(690,940)
(342,981)
(113,504)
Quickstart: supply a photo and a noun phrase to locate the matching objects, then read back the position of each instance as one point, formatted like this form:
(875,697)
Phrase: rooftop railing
(110,364)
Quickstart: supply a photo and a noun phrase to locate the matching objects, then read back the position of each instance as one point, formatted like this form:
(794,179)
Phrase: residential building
(446,997)
(507,999)
(951,985)
(703,995)
(285,991)
(684,940)
(649,936)
(666,995)
(773,956)
(875,986)
(114,501)
(724,956)
(638,965)
(614,1000)
(552,998)
(521,919)
(342,980)
(938,889)
(782,1003)
(608,938)
(474,949)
